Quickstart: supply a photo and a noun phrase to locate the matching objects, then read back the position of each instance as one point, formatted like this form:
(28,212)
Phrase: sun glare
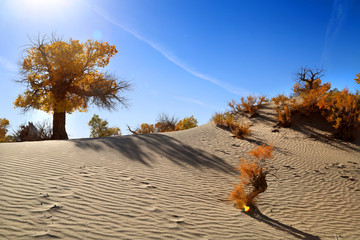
(47,4)
(246,208)
(40,9)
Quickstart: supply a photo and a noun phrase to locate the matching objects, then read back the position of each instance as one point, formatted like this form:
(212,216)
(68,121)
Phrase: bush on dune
(342,109)
(283,110)
(227,121)
(165,123)
(252,178)
(249,105)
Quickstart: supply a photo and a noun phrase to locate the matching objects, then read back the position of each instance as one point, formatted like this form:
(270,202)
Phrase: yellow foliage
(4,123)
(62,76)
(343,110)
(146,128)
(357,79)
(262,152)
(283,110)
(186,123)
(240,130)
(227,120)
(249,105)
(99,128)
(309,99)
(218,119)
(252,178)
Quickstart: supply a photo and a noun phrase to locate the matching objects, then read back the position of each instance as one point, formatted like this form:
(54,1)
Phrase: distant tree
(165,123)
(186,123)
(99,128)
(143,129)
(65,76)
(357,79)
(307,78)
(4,123)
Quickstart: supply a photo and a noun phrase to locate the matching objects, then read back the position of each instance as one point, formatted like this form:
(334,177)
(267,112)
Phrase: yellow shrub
(249,105)
(283,110)
(252,178)
(186,123)
(342,109)
(240,130)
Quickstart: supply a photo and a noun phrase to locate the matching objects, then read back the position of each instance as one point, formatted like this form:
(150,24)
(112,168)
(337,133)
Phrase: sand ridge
(173,186)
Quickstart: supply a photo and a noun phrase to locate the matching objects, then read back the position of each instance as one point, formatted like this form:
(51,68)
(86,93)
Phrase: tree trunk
(59,131)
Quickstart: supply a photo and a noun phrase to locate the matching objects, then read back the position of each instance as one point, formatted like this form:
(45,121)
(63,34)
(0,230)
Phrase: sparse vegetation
(253,174)
(165,123)
(99,128)
(249,105)
(342,109)
(226,120)
(240,130)
(283,110)
(307,79)
(30,132)
(307,104)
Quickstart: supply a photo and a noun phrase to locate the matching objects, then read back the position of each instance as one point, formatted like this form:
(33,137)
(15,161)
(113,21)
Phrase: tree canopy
(66,76)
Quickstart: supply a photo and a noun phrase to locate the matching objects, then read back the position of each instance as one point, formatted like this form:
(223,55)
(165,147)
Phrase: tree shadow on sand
(256,214)
(149,148)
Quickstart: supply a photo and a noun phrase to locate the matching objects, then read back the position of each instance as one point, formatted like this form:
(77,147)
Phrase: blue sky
(186,57)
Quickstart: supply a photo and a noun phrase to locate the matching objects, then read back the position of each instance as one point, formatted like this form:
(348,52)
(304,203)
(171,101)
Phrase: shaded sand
(172,186)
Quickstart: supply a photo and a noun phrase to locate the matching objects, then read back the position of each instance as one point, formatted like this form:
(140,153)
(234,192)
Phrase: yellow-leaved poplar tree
(4,123)
(66,76)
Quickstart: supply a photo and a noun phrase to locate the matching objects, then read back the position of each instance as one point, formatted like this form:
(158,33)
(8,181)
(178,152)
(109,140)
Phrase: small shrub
(240,130)
(223,119)
(226,120)
(249,105)
(235,107)
(283,110)
(252,178)
(218,119)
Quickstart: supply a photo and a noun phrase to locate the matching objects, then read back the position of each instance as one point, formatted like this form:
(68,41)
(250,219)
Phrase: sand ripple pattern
(173,186)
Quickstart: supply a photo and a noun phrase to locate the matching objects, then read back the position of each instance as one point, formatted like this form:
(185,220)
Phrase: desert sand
(175,186)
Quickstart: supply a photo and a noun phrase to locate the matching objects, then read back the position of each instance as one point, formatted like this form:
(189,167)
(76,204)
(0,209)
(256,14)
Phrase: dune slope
(175,186)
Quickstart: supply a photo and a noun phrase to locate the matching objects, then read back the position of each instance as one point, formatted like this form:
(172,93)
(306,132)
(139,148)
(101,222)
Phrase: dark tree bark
(309,75)
(59,131)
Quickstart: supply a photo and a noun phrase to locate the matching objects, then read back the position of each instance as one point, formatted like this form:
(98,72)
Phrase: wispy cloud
(228,87)
(190,100)
(7,64)
(337,17)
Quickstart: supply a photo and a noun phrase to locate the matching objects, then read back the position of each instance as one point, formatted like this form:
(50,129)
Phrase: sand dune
(173,186)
